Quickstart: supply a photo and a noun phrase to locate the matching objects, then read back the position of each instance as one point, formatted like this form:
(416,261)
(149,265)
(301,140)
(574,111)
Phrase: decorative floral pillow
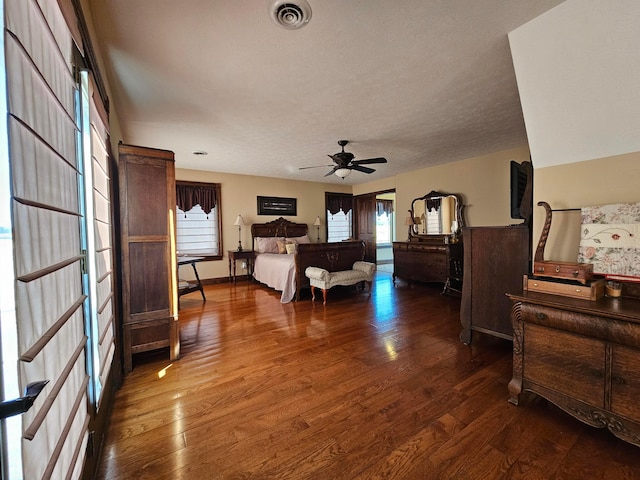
(610,239)
(291,248)
(285,246)
(282,246)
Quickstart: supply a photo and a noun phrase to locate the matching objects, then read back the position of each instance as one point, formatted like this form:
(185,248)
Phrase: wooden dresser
(147,232)
(429,260)
(495,260)
(582,355)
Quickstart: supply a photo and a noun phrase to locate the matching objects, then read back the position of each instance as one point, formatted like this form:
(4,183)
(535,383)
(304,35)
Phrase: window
(339,216)
(198,225)
(434,224)
(339,226)
(384,220)
(196,231)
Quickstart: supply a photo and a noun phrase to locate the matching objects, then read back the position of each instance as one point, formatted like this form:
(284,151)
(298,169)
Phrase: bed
(284,271)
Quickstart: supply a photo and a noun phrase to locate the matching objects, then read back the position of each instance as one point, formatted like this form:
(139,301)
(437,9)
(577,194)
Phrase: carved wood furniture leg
(539,255)
(313,293)
(515,385)
(324,296)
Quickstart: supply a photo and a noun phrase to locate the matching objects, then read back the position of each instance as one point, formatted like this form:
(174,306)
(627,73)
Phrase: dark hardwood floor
(365,388)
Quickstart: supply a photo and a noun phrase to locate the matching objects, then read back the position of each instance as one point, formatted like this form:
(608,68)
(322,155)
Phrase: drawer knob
(576,273)
(540,316)
(557,268)
(578,290)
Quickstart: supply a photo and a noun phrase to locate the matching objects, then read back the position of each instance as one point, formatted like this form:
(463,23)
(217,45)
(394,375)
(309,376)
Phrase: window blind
(45,210)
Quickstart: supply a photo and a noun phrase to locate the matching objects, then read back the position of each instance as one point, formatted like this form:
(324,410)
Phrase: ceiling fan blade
(362,169)
(333,170)
(315,166)
(367,161)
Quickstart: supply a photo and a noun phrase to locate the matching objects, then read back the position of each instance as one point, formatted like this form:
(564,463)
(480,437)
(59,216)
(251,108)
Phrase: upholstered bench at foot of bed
(324,279)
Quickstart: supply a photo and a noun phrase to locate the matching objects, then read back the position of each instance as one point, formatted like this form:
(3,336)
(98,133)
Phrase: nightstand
(234,255)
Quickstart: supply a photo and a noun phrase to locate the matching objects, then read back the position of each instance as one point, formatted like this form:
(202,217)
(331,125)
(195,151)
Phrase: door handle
(9,408)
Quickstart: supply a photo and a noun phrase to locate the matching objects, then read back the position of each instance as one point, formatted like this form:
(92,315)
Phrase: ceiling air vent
(290,15)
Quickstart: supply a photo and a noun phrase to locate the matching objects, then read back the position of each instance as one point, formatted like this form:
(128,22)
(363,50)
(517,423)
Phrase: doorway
(385,230)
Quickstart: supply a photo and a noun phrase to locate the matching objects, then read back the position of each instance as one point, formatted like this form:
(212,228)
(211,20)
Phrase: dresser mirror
(436,213)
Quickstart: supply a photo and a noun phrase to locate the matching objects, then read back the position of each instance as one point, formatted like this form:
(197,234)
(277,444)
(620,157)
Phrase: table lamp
(409,222)
(239,223)
(317,223)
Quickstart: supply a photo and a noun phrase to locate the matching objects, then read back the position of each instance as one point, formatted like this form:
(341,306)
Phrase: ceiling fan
(344,163)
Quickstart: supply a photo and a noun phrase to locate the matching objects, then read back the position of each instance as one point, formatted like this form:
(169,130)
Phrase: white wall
(578,74)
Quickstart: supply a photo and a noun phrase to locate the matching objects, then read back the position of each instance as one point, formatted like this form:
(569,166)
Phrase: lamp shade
(343,172)
(317,222)
(239,221)
(408,221)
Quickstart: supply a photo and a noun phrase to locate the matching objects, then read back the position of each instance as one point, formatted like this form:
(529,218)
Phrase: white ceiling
(420,82)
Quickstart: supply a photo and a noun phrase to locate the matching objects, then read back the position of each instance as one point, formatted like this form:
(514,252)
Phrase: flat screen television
(519,177)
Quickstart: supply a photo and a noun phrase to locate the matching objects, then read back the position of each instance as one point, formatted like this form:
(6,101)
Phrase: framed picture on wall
(277,206)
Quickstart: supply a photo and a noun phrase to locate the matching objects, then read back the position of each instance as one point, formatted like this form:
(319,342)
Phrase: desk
(234,255)
(191,286)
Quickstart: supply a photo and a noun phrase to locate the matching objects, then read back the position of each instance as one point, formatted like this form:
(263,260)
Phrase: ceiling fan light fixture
(290,15)
(343,172)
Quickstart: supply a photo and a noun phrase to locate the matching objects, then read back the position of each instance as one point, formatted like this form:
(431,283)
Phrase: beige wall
(595,182)
(239,194)
(483,182)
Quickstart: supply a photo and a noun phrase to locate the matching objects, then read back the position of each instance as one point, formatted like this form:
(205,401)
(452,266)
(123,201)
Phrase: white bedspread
(277,271)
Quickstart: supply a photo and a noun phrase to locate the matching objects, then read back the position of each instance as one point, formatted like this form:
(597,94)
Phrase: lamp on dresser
(317,224)
(410,222)
(239,223)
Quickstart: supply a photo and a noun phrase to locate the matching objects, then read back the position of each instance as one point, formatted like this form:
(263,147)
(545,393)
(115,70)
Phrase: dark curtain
(433,204)
(384,206)
(189,194)
(338,201)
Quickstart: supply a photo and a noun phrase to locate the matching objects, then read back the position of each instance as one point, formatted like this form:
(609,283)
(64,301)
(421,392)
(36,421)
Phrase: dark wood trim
(90,55)
(98,423)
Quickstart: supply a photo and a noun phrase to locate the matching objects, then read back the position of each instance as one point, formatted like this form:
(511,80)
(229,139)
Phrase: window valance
(433,204)
(337,201)
(190,194)
(384,206)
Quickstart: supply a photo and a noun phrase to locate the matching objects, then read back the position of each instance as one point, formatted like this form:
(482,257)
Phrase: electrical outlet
(244,265)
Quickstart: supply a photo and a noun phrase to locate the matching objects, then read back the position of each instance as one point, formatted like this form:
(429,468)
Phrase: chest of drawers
(582,355)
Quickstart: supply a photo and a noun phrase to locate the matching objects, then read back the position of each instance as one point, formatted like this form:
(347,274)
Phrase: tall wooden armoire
(147,231)
(495,260)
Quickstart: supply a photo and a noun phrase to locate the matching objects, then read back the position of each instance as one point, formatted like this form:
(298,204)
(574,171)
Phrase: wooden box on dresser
(495,260)
(582,355)
(147,232)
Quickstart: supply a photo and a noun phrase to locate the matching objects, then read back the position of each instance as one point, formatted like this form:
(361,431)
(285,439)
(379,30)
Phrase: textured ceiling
(418,82)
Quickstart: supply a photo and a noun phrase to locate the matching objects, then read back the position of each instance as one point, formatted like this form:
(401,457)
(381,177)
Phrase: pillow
(282,246)
(302,239)
(291,248)
(267,244)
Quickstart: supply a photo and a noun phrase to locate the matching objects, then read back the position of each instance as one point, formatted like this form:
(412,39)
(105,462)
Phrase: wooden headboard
(280,227)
